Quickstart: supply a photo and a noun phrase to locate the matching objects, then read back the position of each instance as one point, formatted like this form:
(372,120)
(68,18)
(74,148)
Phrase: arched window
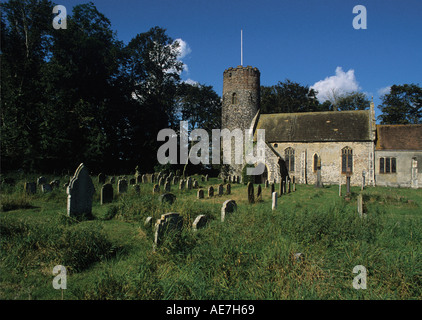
(234,98)
(346,160)
(289,158)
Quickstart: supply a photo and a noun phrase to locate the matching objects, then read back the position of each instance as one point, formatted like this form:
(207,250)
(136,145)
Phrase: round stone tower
(241,97)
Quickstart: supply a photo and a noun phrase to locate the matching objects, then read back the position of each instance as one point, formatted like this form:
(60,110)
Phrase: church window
(346,160)
(289,158)
(315,162)
(234,98)
(388,165)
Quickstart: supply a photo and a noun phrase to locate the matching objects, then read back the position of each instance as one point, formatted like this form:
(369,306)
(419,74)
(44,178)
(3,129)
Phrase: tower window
(346,160)
(289,158)
(234,98)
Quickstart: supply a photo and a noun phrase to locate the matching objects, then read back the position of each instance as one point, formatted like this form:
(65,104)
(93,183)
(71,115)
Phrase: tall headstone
(80,192)
(251,196)
(156,189)
(106,195)
(195,184)
(360,205)
(229,206)
(220,189)
(169,222)
(274,200)
(211,192)
(181,184)
(189,183)
(200,194)
(228,188)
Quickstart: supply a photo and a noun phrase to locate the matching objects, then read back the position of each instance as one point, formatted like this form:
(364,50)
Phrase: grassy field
(249,256)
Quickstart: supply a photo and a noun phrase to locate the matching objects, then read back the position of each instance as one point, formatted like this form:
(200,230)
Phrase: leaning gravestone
(199,222)
(106,195)
(251,196)
(156,188)
(80,192)
(30,187)
(168,198)
(229,206)
(46,188)
(169,222)
(122,186)
(167,187)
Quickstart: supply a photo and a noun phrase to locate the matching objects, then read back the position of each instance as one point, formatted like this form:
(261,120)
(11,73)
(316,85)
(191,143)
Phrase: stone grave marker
(101,178)
(106,195)
(195,184)
(228,188)
(137,188)
(210,192)
(80,192)
(182,184)
(259,193)
(46,188)
(148,222)
(156,189)
(30,187)
(41,180)
(122,186)
(274,200)
(199,222)
(251,196)
(200,194)
(167,187)
(229,206)
(220,189)
(168,198)
(169,222)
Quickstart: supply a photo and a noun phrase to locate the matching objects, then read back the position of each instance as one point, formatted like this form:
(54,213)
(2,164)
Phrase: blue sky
(311,42)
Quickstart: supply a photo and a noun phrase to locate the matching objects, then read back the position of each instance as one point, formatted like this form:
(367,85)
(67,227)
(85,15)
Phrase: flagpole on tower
(241,47)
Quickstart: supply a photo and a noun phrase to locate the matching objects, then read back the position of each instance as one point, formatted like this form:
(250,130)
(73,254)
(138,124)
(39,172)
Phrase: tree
(403,105)
(288,97)
(352,101)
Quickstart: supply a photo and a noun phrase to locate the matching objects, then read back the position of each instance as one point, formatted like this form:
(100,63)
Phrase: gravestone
(132,181)
(156,189)
(283,187)
(122,186)
(210,192)
(112,180)
(360,205)
(272,188)
(80,192)
(288,186)
(220,189)
(167,187)
(229,206)
(202,178)
(148,222)
(144,178)
(152,178)
(101,178)
(266,185)
(181,184)
(206,178)
(55,183)
(259,193)
(251,192)
(41,180)
(200,194)
(228,188)
(137,188)
(106,195)
(168,198)
(46,188)
(274,200)
(199,222)
(30,187)
(195,184)
(189,183)
(175,181)
(169,222)
(161,182)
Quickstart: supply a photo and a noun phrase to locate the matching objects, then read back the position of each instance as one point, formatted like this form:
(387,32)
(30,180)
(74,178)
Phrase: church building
(338,143)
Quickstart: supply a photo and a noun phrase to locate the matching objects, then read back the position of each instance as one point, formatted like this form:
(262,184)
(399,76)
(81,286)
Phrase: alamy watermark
(200,151)
(359,282)
(60,21)
(360,21)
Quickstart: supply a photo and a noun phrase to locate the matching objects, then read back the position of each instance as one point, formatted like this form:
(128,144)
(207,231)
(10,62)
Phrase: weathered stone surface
(195,184)
(189,183)
(122,186)
(229,206)
(251,195)
(182,184)
(206,178)
(80,192)
(106,195)
(169,222)
(199,222)
(148,222)
(144,178)
(200,194)
(167,187)
(168,198)
(220,189)
(228,188)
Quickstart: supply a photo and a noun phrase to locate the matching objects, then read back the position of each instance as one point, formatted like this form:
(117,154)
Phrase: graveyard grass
(249,256)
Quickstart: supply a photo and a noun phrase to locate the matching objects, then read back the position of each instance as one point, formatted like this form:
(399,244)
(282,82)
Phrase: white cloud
(384,90)
(183,50)
(342,82)
(191,82)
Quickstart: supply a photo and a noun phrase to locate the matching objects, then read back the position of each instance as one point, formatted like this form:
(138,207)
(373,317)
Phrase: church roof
(316,126)
(399,137)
